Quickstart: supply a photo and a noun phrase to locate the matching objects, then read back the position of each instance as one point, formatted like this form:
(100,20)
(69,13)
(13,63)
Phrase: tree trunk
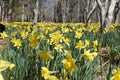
(3,10)
(116,12)
(106,10)
(22,16)
(0,12)
(64,3)
(9,10)
(116,17)
(36,10)
(110,13)
(89,11)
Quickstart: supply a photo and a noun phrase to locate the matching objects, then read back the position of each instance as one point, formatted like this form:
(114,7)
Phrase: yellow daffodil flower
(11,66)
(95,43)
(90,55)
(78,35)
(69,63)
(58,47)
(33,41)
(3,66)
(24,34)
(45,55)
(13,34)
(67,41)
(1,77)
(116,74)
(47,74)
(79,45)
(87,43)
(17,42)
(3,35)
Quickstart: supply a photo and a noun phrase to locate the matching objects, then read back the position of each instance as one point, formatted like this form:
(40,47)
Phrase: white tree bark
(23,16)
(116,17)
(36,10)
(110,13)
(107,10)
(3,4)
(63,11)
(90,8)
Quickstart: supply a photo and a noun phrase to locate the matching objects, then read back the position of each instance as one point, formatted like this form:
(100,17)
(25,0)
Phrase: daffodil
(45,55)
(79,45)
(29,28)
(90,55)
(65,30)
(11,66)
(17,42)
(69,63)
(33,41)
(87,43)
(24,34)
(56,37)
(1,77)
(58,47)
(42,36)
(105,30)
(78,35)
(48,74)
(67,41)
(95,43)
(13,34)
(4,65)
(3,35)
(116,74)
(13,40)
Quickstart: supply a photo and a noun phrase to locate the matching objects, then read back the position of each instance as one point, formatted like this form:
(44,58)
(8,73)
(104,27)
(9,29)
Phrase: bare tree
(107,8)
(90,8)
(116,12)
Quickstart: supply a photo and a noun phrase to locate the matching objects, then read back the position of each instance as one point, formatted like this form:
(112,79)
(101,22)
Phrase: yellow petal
(53,78)
(1,77)
(68,54)
(44,72)
(4,65)
(11,66)
(45,55)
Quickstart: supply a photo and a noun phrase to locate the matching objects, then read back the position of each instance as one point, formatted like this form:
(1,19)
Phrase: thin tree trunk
(3,11)
(106,10)
(90,12)
(22,16)
(36,10)
(63,11)
(9,11)
(0,12)
(116,12)
(110,13)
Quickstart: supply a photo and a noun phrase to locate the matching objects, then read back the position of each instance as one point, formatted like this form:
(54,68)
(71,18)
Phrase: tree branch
(100,4)
(92,10)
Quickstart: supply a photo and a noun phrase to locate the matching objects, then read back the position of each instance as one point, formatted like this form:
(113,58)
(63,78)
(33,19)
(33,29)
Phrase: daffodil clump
(69,63)
(90,55)
(57,51)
